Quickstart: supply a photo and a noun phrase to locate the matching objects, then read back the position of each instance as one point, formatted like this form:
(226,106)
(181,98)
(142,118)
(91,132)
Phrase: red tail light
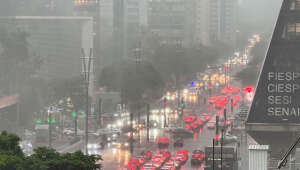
(202,155)
(195,155)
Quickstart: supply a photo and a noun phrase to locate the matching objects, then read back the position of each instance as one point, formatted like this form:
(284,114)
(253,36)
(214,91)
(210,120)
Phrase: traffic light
(165,101)
(38,121)
(248,89)
(182,103)
(74,114)
(217,125)
(217,138)
(53,121)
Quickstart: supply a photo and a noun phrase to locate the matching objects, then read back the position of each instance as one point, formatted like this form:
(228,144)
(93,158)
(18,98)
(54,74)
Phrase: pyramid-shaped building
(274,116)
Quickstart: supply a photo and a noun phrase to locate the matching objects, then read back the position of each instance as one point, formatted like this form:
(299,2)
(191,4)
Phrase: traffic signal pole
(75,124)
(148,125)
(165,117)
(86,70)
(100,113)
(50,129)
(213,154)
(222,132)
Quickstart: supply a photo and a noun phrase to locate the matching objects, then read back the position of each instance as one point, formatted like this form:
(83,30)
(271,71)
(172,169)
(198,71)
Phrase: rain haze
(149,84)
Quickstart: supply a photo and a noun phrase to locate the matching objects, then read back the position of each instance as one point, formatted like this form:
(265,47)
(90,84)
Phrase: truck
(212,159)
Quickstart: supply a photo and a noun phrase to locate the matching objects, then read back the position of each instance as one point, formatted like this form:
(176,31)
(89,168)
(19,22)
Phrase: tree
(48,159)
(137,83)
(249,75)
(182,63)
(12,157)
(72,87)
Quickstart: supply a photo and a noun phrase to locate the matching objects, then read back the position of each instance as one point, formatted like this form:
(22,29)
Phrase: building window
(292,31)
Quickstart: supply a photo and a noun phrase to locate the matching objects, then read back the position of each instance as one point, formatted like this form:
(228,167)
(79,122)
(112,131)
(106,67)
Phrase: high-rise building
(215,21)
(167,20)
(58,40)
(129,18)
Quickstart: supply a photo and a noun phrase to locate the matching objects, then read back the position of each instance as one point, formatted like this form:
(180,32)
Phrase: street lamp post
(50,129)
(86,75)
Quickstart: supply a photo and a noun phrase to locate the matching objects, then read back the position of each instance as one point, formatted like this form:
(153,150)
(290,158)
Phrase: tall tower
(215,21)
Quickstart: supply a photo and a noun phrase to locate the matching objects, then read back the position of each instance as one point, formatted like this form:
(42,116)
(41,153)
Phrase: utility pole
(217,128)
(86,73)
(213,154)
(222,132)
(148,123)
(50,110)
(164,108)
(50,129)
(74,115)
(137,62)
(100,113)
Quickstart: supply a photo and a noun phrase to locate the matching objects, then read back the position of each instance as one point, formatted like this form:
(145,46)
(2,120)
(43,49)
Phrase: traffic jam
(169,152)
(165,159)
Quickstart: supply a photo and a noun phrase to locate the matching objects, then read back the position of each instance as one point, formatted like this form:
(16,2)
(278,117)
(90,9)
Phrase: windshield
(100,82)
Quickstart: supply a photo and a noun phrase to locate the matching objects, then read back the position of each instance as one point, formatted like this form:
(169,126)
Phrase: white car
(228,138)
(211,125)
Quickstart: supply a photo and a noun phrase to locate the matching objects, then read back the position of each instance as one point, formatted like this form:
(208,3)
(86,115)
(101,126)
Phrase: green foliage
(183,63)
(12,157)
(49,159)
(135,82)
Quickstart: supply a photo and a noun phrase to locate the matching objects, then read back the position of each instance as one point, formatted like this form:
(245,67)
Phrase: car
(180,132)
(148,166)
(141,160)
(166,154)
(195,126)
(171,127)
(179,160)
(178,143)
(190,118)
(93,146)
(210,125)
(170,165)
(158,160)
(197,157)
(148,155)
(184,152)
(228,138)
(162,142)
